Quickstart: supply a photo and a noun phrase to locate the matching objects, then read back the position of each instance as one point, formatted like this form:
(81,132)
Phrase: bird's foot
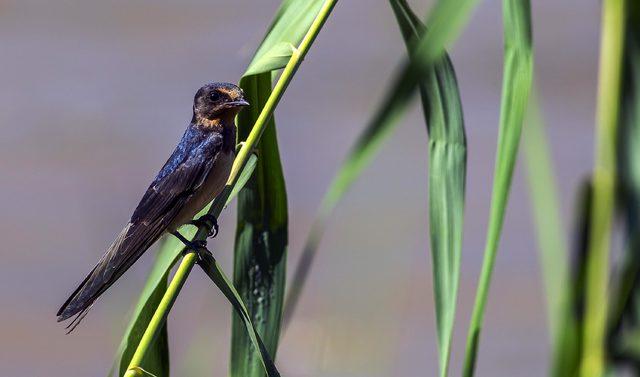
(209,221)
(200,248)
(196,246)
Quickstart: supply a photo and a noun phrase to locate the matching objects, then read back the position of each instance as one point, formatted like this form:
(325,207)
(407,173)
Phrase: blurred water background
(94,96)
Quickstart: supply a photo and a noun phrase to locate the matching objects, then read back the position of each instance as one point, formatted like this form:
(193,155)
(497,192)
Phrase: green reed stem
(604,176)
(161,313)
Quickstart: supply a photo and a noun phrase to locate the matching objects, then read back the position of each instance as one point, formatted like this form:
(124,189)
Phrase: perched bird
(195,173)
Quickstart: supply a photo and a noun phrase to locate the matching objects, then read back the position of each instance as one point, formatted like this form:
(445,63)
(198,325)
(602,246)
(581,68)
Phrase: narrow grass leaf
(604,176)
(445,23)
(545,205)
(447,175)
(518,67)
(215,273)
(261,238)
(552,243)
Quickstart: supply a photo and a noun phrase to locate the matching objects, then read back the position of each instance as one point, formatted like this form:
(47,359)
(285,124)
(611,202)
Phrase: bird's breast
(210,188)
(217,178)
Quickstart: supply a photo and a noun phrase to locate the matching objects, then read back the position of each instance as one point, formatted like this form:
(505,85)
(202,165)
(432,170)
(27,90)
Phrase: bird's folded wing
(160,204)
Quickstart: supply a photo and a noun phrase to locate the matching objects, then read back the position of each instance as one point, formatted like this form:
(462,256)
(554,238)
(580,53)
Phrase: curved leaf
(516,83)
(447,176)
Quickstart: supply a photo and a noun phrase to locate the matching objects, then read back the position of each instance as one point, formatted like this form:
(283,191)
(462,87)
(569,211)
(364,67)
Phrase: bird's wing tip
(63,317)
(64,313)
(76,321)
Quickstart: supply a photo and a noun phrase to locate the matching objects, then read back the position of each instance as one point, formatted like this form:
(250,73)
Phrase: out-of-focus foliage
(624,315)
(597,277)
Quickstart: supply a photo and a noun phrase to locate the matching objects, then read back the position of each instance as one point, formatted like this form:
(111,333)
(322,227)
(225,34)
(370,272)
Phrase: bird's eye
(215,96)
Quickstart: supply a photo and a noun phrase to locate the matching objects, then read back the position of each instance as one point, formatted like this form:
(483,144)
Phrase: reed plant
(591,307)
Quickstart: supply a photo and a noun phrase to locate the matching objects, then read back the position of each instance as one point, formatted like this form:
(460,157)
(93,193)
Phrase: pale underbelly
(212,186)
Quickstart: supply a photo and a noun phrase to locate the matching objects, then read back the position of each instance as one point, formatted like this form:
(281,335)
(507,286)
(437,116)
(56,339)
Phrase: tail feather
(130,244)
(79,317)
(65,306)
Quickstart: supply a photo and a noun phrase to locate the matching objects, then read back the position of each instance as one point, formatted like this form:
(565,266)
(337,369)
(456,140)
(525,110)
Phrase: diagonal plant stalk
(604,176)
(161,313)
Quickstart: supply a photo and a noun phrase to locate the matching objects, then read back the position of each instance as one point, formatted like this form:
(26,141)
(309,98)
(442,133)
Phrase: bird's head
(217,101)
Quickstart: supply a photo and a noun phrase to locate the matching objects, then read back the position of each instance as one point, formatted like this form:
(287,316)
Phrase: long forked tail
(130,244)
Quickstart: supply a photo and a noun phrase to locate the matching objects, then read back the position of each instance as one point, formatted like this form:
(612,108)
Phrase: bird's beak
(238,103)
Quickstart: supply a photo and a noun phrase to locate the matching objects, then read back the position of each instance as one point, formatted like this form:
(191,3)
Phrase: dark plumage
(194,174)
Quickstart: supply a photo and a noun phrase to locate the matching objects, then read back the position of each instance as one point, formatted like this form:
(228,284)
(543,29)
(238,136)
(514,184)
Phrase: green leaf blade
(261,239)
(447,178)
(516,84)
(211,267)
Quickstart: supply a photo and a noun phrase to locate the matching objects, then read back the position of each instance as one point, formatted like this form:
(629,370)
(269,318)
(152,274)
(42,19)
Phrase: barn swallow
(195,173)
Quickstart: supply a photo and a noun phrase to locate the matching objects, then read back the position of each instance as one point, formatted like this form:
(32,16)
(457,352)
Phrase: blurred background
(95,95)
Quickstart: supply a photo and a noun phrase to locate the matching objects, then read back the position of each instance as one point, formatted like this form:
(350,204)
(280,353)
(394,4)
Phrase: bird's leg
(209,221)
(197,246)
